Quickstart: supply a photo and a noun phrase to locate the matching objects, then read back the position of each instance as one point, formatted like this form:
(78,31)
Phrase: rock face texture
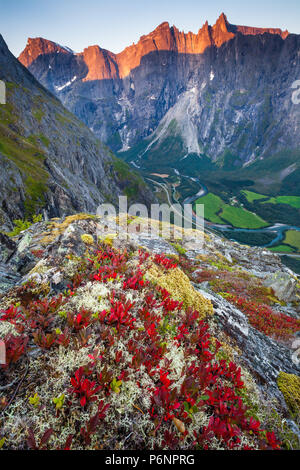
(224,92)
(49,159)
(263,356)
(283,286)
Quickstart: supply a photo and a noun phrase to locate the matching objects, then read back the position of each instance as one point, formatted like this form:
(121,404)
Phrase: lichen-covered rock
(8,278)
(283,285)
(264,356)
(7,247)
(24,243)
(234,322)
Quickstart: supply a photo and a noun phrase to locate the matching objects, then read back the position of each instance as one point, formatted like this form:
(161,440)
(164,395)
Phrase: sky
(115,24)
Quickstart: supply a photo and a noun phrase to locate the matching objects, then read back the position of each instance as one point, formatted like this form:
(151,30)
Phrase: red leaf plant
(91,426)
(119,314)
(135,282)
(165,262)
(42,445)
(84,388)
(15,348)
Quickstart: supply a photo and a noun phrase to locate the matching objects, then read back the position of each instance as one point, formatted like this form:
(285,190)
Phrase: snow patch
(65,48)
(60,88)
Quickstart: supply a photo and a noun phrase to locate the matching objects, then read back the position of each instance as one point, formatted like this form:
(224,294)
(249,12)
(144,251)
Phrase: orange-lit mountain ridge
(224,92)
(103,64)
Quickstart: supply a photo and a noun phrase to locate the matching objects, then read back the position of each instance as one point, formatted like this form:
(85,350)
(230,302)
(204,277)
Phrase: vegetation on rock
(111,346)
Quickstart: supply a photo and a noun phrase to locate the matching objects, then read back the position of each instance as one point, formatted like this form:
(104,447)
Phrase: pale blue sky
(115,24)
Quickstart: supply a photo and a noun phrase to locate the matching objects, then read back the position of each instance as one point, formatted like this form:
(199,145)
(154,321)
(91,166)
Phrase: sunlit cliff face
(102,64)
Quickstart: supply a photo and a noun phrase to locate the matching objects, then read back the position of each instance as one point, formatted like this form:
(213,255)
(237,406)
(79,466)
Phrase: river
(278,229)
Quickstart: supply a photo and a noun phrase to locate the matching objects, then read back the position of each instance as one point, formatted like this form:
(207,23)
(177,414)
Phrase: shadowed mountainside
(49,159)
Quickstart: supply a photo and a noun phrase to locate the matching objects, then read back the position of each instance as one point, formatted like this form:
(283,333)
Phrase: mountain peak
(223,19)
(221,31)
(106,65)
(163,25)
(100,63)
(40,46)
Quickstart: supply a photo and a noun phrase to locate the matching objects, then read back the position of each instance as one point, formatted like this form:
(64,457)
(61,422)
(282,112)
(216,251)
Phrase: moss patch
(55,229)
(289,385)
(180,288)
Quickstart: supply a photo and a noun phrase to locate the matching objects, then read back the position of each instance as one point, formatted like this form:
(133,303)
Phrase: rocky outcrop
(48,258)
(283,285)
(264,356)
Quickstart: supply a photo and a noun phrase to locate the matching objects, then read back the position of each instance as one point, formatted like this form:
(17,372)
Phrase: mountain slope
(231,83)
(49,159)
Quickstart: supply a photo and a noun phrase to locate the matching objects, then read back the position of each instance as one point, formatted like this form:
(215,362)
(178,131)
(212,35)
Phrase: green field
(218,212)
(212,205)
(292,237)
(282,248)
(251,196)
(239,217)
(293,201)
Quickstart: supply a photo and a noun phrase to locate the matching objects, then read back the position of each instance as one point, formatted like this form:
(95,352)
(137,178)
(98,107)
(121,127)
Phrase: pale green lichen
(92,297)
(7,328)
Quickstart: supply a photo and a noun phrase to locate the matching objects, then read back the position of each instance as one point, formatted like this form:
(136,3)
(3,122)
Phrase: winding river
(278,229)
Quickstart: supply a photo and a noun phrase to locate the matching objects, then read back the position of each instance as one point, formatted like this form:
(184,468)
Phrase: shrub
(21,225)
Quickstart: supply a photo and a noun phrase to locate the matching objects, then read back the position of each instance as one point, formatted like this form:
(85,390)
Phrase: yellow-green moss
(180,288)
(87,239)
(289,385)
(56,229)
(107,239)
